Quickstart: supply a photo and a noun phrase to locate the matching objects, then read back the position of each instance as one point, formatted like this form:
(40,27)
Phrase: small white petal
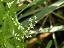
(36,21)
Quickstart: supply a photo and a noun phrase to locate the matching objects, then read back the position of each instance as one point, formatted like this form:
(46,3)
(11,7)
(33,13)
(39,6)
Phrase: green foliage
(42,12)
(49,44)
(11,31)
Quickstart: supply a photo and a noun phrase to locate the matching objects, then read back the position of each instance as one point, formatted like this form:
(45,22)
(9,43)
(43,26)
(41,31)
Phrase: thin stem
(54,38)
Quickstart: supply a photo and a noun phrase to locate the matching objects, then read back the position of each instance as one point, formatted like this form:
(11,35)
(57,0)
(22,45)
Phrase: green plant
(12,33)
(34,14)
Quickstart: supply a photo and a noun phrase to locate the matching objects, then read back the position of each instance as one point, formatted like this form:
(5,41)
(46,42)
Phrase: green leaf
(49,44)
(34,3)
(43,12)
(8,45)
(8,0)
(48,29)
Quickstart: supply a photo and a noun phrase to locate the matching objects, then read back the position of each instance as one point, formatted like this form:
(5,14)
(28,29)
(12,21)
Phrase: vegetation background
(31,23)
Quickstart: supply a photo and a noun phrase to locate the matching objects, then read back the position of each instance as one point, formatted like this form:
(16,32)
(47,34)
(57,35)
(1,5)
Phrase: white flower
(36,21)
(19,27)
(28,28)
(32,32)
(18,35)
(12,18)
(10,4)
(19,39)
(15,34)
(30,36)
(26,36)
(30,19)
(35,17)
(22,37)
(40,29)
(31,25)
(22,28)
